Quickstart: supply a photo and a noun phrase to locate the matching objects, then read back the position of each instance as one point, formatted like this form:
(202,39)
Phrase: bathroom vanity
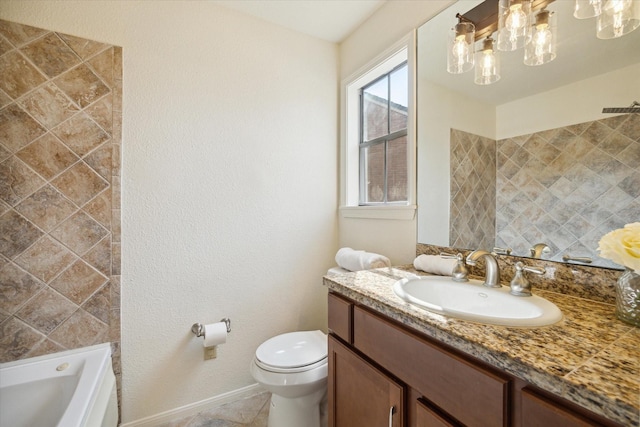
(391,363)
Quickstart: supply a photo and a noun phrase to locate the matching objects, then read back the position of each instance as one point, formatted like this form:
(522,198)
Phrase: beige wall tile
(18,75)
(17,128)
(46,259)
(79,233)
(17,181)
(80,330)
(49,105)
(16,287)
(51,55)
(46,208)
(19,34)
(81,134)
(17,234)
(16,339)
(80,183)
(47,156)
(82,85)
(78,282)
(46,311)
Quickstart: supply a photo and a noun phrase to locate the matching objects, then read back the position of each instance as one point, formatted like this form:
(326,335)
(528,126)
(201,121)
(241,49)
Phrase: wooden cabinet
(376,364)
(544,411)
(363,396)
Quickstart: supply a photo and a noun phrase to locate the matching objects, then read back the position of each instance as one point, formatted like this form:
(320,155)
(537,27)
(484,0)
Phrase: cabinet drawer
(426,416)
(475,395)
(340,313)
(540,411)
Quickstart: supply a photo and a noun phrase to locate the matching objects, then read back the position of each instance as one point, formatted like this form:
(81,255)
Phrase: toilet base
(295,412)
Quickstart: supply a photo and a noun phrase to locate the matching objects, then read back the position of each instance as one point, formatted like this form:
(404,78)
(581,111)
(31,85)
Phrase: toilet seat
(293,352)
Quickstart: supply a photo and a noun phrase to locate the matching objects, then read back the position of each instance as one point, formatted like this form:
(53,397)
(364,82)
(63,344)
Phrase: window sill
(402,213)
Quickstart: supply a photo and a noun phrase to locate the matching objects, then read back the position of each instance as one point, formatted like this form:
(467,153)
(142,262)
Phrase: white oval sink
(473,301)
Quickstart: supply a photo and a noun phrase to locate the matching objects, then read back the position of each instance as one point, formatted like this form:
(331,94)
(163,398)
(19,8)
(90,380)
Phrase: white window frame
(403,50)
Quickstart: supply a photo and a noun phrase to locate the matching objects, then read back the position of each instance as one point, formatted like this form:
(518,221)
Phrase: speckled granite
(590,357)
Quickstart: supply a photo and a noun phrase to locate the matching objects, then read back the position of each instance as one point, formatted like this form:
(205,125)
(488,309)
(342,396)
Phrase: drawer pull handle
(391,412)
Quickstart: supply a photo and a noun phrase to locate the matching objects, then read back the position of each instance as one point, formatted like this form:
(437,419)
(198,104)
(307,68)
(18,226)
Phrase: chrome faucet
(538,249)
(520,286)
(492,275)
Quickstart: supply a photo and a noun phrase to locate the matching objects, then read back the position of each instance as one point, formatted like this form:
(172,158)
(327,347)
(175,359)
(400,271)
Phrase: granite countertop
(590,357)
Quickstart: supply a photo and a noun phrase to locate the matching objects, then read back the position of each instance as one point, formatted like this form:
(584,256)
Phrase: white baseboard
(194,408)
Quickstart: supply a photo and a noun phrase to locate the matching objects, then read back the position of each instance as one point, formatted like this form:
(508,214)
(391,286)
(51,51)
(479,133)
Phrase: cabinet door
(359,394)
(539,411)
(427,416)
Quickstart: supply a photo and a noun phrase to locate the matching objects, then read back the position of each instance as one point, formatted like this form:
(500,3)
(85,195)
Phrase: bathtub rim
(81,402)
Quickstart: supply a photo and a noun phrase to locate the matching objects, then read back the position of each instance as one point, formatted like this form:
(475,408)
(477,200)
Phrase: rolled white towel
(434,264)
(354,260)
(334,271)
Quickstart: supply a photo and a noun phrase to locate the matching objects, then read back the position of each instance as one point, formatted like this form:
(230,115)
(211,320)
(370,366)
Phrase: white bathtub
(74,388)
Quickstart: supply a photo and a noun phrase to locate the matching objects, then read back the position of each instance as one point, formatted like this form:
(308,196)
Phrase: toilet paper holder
(198,328)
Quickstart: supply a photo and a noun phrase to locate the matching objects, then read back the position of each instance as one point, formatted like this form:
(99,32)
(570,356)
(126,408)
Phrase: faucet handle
(520,286)
(460,271)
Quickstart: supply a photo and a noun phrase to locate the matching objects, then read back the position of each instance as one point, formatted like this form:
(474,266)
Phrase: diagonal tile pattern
(59,283)
(565,187)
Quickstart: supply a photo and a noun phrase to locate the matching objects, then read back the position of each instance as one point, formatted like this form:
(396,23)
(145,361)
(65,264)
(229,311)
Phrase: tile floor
(249,412)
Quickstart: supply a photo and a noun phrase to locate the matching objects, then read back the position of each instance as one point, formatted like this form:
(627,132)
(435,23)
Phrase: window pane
(374,109)
(399,98)
(397,179)
(374,174)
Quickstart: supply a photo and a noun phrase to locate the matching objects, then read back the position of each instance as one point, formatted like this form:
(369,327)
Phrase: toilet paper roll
(215,334)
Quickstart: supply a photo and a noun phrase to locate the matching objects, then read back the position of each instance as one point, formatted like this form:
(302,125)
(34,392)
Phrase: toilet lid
(293,350)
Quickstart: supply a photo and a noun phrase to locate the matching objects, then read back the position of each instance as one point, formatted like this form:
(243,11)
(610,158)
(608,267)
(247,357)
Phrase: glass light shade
(460,48)
(487,64)
(514,22)
(541,49)
(587,9)
(618,17)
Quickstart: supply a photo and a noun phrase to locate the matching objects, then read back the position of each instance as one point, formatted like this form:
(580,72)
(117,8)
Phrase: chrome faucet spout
(492,274)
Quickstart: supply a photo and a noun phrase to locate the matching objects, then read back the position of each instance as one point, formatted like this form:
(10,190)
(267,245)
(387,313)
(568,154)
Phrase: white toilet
(293,367)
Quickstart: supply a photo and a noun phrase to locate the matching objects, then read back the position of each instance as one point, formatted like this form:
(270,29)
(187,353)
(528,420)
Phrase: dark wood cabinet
(543,411)
(363,396)
(376,364)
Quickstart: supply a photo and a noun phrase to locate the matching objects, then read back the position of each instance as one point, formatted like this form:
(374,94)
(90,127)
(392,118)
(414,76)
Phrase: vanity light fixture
(614,18)
(618,17)
(541,48)
(512,20)
(487,63)
(460,46)
(514,23)
(585,9)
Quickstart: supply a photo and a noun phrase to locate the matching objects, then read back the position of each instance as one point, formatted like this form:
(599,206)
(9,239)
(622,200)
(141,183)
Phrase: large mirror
(529,163)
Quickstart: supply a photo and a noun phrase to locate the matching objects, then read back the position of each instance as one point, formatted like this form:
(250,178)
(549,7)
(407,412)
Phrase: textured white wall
(229,185)
(394,238)
(574,103)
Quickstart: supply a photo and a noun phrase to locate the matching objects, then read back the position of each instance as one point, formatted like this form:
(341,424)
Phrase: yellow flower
(622,246)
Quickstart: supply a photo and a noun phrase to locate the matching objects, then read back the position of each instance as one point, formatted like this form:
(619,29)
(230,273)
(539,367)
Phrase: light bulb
(541,39)
(488,62)
(488,67)
(615,8)
(516,19)
(587,9)
(541,49)
(514,24)
(618,18)
(460,50)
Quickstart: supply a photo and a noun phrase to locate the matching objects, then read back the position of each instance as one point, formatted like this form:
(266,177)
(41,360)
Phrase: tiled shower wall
(564,187)
(60,135)
(473,191)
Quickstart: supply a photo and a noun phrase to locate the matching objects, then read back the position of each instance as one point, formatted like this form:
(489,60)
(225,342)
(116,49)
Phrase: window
(377,144)
(383,138)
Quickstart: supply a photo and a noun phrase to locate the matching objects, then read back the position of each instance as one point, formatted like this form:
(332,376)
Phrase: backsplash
(60,138)
(593,283)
